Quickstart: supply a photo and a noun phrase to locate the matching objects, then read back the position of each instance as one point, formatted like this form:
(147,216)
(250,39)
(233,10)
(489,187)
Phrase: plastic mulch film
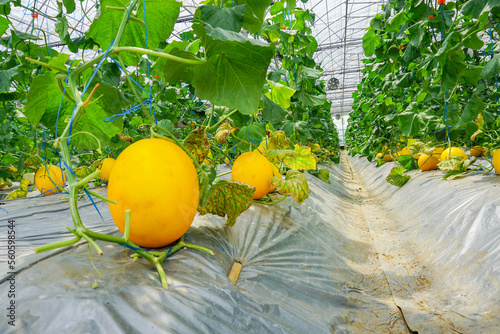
(319,267)
(440,247)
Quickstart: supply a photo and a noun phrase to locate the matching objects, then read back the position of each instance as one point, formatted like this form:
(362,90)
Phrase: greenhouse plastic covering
(358,256)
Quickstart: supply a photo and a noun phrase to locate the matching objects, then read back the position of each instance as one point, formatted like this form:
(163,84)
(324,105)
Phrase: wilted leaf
(276,156)
(230,198)
(396,176)
(224,131)
(279,139)
(455,164)
(294,184)
(21,192)
(304,160)
(197,143)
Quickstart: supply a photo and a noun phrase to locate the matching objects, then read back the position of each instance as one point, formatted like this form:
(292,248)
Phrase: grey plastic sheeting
(326,266)
(449,235)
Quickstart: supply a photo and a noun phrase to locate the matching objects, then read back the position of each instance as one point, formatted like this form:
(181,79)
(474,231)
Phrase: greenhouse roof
(339,28)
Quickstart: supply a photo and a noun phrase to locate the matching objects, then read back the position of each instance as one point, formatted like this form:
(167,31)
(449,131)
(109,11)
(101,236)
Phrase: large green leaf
(473,8)
(413,122)
(4,24)
(44,104)
(491,68)
(370,41)
(44,94)
(62,27)
(225,18)
(251,133)
(280,94)
(106,102)
(234,72)
(228,197)
(472,109)
(6,76)
(272,112)
(295,184)
(254,14)
(161,16)
(311,100)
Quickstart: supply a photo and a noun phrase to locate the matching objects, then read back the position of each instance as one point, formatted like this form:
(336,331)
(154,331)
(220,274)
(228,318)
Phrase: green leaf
(235,69)
(370,41)
(254,14)
(228,197)
(473,42)
(272,112)
(252,132)
(105,103)
(397,21)
(161,16)
(280,94)
(62,27)
(321,174)
(111,75)
(197,143)
(6,76)
(223,132)
(311,100)
(43,105)
(225,18)
(396,176)
(4,24)
(417,33)
(473,8)
(60,61)
(491,68)
(304,160)
(294,184)
(167,125)
(472,109)
(69,5)
(44,94)
(412,123)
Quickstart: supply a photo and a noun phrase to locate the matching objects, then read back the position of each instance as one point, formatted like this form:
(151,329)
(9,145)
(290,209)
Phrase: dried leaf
(224,130)
(294,184)
(197,143)
(279,139)
(454,164)
(228,197)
